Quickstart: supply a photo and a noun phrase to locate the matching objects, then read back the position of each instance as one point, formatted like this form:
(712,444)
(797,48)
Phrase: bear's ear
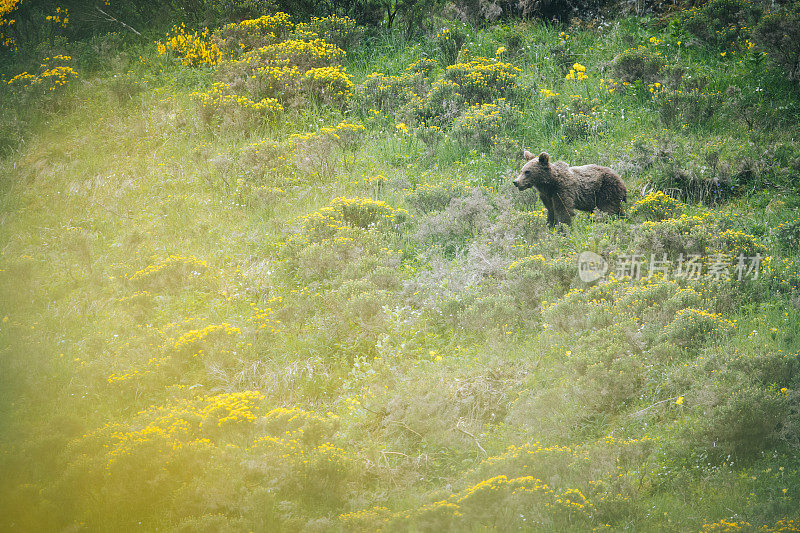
(544,158)
(528,155)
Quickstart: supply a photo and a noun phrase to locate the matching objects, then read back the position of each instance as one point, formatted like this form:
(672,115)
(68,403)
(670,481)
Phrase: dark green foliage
(722,23)
(778,33)
(640,63)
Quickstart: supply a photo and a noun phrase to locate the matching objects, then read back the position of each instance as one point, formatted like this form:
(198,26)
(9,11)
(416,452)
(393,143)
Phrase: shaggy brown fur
(563,188)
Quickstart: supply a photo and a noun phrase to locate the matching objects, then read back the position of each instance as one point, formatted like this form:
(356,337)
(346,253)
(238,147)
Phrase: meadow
(273,276)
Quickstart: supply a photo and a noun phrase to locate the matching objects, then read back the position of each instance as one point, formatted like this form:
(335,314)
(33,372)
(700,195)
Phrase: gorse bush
(482,79)
(656,206)
(358,212)
(55,73)
(238,112)
(331,85)
(387,94)
(481,125)
(691,327)
(250,34)
(341,31)
(265,65)
(192,48)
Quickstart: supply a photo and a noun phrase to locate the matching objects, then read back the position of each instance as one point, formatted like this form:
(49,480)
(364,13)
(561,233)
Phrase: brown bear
(563,188)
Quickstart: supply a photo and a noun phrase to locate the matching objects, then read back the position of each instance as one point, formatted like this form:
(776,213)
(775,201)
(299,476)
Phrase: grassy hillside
(274,276)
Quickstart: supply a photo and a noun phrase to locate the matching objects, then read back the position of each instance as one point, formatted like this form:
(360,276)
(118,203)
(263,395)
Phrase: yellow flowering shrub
(55,73)
(201,441)
(290,71)
(425,66)
(483,79)
(220,104)
(170,270)
(482,124)
(7,8)
(330,85)
(734,243)
(193,338)
(344,134)
(522,500)
(303,54)
(192,48)
(338,30)
(386,94)
(355,212)
(656,206)
(691,327)
(235,38)
(60,18)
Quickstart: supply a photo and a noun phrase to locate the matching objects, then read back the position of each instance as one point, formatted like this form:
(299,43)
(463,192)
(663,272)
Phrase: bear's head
(535,172)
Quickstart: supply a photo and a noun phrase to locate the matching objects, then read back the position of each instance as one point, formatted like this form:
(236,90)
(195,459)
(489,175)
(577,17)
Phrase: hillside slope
(287,285)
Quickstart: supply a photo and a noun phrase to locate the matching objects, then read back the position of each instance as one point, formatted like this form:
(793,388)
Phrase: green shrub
(694,107)
(448,42)
(238,9)
(427,198)
(424,66)
(787,233)
(722,23)
(578,117)
(782,274)
(387,94)
(692,327)
(746,421)
(640,63)
(442,104)
(778,33)
(481,125)
(341,31)
(464,217)
(534,279)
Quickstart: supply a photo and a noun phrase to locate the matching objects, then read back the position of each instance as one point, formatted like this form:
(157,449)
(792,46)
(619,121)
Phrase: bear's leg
(563,211)
(613,207)
(548,204)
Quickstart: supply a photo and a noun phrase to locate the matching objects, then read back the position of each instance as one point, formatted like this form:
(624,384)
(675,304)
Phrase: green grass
(419,365)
